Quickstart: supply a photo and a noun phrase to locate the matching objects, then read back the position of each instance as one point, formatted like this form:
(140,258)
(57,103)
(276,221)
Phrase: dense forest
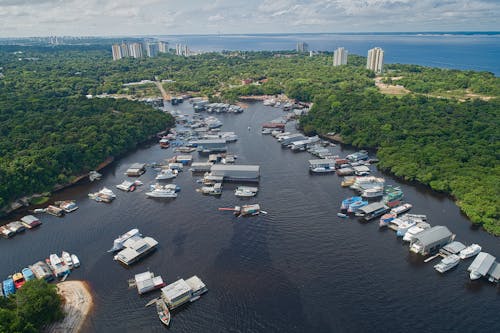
(50,132)
(31,308)
(449,143)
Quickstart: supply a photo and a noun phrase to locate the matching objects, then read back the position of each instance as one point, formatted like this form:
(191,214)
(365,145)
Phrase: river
(299,268)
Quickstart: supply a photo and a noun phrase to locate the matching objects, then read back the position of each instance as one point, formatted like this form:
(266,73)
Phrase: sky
(22,18)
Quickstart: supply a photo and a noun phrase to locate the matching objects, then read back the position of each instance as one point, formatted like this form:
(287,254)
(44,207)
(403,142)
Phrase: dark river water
(299,268)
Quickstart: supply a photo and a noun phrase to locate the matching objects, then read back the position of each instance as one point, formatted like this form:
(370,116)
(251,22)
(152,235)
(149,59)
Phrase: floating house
(361,170)
(183,291)
(322,165)
(372,210)
(231,172)
(483,264)
(184,159)
(30,221)
(135,249)
(210,146)
(431,240)
(136,170)
(176,294)
(200,166)
(453,248)
(147,281)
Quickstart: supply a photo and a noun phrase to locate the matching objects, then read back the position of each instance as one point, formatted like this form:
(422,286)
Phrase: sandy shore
(77,305)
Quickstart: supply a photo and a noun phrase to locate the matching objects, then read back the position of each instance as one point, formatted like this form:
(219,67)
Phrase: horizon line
(274,33)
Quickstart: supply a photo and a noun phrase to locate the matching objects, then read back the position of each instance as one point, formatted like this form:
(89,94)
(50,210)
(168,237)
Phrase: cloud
(132,17)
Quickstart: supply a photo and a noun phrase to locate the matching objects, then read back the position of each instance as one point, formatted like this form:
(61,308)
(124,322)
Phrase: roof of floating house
(432,235)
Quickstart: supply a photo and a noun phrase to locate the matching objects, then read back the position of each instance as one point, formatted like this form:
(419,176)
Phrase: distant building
(152,49)
(117,52)
(375,61)
(302,47)
(340,57)
(125,50)
(163,47)
(182,50)
(135,50)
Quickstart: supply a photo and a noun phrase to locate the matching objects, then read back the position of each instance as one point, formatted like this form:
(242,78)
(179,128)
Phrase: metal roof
(495,271)
(372,207)
(239,167)
(482,263)
(361,168)
(195,283)
(433,235)
(137,166)
(454,247)
(322,162)
(176,289)
(29,218)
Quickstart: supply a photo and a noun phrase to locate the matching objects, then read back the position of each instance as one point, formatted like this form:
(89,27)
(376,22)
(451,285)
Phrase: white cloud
(125,17)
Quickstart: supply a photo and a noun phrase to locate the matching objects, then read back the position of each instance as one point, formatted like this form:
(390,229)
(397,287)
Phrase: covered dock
(231,172)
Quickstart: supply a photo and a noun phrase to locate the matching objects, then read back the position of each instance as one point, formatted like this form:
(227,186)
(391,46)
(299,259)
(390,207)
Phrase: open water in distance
(299,268)
(478,52)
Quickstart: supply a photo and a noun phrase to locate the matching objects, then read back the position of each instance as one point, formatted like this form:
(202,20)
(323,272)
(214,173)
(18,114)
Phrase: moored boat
(162,193)
(401,209)
(66,258)
(386,219)
(118,242)
(356,205)
(54,210)
(8,287)
(28,274)
(246,191)
(163,311)
(447,263)
(68,205)
(76,261)
(373,192)
(165,174)
(470,251)
(19,280)
(346,202)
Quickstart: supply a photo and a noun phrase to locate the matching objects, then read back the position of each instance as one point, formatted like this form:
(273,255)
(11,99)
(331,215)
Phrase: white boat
(373,192)
(55,260)
(94,175)
(246,191)
(166,174)
(118,243)
(322,170)
(401,209)
(125,185)
(162,193)
(470,251)
(447,263)
(415,230)
(76,261)
(404,226)
(215,189)
(67,259)
(108,192)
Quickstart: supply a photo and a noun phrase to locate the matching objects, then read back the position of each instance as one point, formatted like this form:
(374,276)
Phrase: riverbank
(77,304)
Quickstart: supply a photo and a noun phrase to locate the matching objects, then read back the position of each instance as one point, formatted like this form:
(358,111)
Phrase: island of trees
(435,126)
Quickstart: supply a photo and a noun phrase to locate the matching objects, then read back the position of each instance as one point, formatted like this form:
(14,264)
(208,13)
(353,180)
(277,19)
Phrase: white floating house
(231,172)
(431,240)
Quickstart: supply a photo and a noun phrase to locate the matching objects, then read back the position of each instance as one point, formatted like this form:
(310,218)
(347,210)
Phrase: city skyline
(22,18)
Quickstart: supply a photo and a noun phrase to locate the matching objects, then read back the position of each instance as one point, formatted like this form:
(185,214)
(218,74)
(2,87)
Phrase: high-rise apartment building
(375,61)
(152,49)
(117,52)
(302,47)
(135,50)
(125,50)
(340,57)
(163,47)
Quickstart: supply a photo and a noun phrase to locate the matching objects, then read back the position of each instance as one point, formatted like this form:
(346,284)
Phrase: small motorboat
(165,174)
(66,258)
(76,261)
(163,312)
(470,251)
